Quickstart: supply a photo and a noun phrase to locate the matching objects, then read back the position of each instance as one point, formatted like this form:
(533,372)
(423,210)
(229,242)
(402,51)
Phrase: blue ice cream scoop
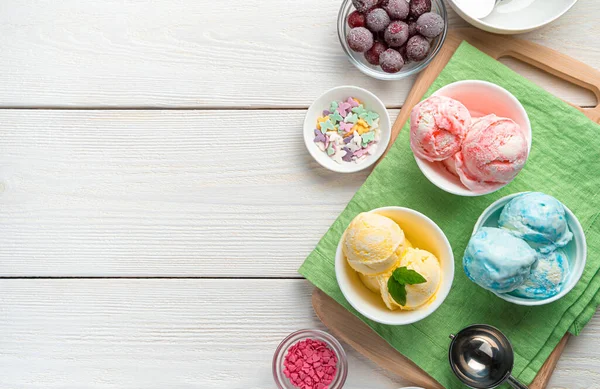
(547,277)
(497,260)
(539,219)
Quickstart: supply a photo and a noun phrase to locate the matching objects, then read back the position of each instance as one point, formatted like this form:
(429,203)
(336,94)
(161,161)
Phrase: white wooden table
(156,199)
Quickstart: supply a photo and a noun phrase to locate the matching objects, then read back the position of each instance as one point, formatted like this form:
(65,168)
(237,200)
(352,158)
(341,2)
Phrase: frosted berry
(419,7)
(396,34)
(397,9)
(377,19)
(417,48)
(372,55)
(356,19)
(391,61)
(360,39)
(412,28)
(402,51)
(363,6)
(430,24)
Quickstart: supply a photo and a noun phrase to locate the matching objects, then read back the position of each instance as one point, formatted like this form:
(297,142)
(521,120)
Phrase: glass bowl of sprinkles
(310,359)
(347,129)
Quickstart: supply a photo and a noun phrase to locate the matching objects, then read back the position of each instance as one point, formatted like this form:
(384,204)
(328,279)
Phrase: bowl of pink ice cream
(470,138)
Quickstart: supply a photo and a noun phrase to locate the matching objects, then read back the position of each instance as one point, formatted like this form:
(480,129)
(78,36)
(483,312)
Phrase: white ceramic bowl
(481,98)
(576,250)
(370,102)
(423,233)
(518,16)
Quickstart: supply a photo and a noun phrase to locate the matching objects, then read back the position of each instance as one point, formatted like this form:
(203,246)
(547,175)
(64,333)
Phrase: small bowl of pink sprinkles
(347,129)
(310,359)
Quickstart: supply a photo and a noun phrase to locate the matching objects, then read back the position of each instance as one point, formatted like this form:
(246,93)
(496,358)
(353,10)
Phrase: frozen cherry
(360,39)
(402,51)
(430,24)
(372,55)
(397,9)
(377,19)
(391,61)
(412,28)
(419,7)
(396,34)
(363,6)
(356,19)
(417,48)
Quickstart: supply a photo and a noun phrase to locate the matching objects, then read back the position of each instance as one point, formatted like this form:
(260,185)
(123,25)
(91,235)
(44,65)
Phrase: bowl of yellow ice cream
(394,265)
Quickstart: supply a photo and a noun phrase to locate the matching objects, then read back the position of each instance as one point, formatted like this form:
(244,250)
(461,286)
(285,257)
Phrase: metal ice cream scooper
(482,357)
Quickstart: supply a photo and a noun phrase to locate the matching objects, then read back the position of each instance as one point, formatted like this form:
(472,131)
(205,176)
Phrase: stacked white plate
(516,16)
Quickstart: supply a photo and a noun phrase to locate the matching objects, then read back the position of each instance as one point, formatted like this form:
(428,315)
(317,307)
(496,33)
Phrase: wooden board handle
(543,58)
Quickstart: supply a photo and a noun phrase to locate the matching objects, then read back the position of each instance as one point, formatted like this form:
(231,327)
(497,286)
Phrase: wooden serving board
(349,328)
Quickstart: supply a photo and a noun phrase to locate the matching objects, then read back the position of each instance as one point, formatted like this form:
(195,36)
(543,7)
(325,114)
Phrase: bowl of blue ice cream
(527,248)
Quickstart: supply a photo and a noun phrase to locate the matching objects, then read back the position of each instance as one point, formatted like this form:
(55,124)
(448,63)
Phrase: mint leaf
(397,291)
(407,276)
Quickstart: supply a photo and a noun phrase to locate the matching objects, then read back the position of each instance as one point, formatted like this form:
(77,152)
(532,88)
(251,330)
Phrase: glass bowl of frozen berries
(392,39)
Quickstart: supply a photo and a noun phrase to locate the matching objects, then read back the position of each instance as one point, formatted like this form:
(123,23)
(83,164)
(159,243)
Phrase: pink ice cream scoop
(493,152)
(438,126)
(450,165)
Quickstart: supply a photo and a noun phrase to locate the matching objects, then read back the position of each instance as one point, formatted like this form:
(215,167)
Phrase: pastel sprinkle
(327,126)
(352,118)
(353,102)
(343,108)
(348,156)
(333,106)
(361,129)
(369,117)
(319,136)
(354,146)
(375,123)
(339,154)
(330,150)
(359,110)
(346,127)
(347,132)
(362,152)
(367,138)
(334,137)
(321,120)
(336,117)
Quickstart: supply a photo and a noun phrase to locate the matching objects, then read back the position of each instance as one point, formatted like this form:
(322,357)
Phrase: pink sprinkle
(310,364)
(352,102)
(343,109)
(361,152)
(346,127)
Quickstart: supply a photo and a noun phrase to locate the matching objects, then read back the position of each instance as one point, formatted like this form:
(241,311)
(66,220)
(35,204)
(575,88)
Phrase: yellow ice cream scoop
(373,243)
(372,282)
(427,265)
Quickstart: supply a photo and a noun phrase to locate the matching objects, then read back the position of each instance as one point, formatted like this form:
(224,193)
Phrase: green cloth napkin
(564,162)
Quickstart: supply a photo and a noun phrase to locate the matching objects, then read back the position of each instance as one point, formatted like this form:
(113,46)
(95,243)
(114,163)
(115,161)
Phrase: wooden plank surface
(181,53)
(161,193)
(138,193)
(205,334)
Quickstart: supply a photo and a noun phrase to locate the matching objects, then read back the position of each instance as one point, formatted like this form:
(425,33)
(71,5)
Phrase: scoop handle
(543,58)
(512,381)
